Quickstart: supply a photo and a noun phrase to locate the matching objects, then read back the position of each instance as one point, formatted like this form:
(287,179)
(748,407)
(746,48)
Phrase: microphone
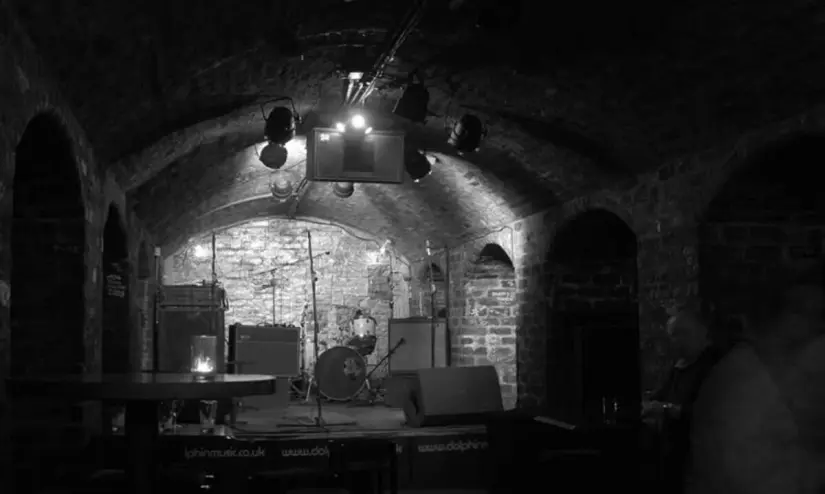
(429,249)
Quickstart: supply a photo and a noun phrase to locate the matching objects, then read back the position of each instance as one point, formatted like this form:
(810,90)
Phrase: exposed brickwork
(664,210)
(452,202)
(484,331)
(683,106)
(26,93)
(351,275)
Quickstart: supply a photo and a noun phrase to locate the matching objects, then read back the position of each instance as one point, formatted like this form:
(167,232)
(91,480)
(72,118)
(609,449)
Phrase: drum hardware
(375,392)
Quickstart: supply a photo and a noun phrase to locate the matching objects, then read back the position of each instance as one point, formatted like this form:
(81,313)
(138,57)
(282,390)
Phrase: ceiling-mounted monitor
(336,156)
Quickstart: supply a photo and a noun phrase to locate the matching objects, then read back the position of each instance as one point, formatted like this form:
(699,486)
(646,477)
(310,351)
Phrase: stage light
(413,103)
(367,130)
(343,189)
(280,186)
(417,165)
(280,125)
(273,156)
(467,134)
(358,122)
(340,127)
(200,252)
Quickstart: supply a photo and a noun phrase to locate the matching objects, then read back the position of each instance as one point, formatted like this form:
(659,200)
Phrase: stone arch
(592,353)
(769,216)
(48,252)
(116,274)
(432,291)
(486,332)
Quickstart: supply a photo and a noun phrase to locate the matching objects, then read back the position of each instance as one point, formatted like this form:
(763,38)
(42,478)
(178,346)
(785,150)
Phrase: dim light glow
(200,252)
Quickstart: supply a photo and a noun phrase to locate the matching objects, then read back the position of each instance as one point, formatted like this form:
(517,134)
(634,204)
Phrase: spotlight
(273,156)
(467,134)
(417,165)
(281,186)
(358,122)
(280,125)
(343,189)
(413,102)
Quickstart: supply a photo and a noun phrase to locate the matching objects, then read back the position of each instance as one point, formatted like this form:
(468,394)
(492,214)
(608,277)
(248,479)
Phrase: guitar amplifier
(270,350)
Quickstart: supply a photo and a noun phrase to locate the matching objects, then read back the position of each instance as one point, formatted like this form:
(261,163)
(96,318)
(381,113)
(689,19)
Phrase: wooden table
(142,392)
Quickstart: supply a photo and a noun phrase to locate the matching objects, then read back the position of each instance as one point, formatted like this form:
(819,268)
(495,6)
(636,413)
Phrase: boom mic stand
(319,420)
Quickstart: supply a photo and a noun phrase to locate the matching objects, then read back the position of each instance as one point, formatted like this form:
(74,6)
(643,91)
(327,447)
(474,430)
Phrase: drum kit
(341,372)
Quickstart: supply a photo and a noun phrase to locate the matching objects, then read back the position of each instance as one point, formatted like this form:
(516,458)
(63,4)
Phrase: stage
(264,441)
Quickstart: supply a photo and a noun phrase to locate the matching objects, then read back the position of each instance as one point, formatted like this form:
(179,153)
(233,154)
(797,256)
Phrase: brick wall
(68,252)
(351,275)
(689,255)
(484,331)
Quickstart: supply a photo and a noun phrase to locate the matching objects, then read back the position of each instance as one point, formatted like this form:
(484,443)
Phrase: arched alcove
(593,340)
(142,346)
(432,292)
(48,248)
(486,334)
(116,272)
(769,216)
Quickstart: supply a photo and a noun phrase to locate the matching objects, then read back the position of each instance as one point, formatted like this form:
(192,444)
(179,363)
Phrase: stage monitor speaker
(416,352)
(453,396)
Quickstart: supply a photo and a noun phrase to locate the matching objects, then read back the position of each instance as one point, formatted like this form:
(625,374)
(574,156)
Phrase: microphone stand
(432,305)
(319,421)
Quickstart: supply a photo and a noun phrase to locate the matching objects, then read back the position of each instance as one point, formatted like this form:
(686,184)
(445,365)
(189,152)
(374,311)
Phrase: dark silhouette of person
(758,417)
(670,408)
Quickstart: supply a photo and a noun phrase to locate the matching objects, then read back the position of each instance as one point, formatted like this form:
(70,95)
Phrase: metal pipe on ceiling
(367,83)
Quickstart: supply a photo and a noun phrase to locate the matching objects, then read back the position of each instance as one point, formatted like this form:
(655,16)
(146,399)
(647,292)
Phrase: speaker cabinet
(453,396)
(417,350)
(268,350)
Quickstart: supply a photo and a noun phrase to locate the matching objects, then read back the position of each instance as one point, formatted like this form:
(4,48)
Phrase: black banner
(431,461)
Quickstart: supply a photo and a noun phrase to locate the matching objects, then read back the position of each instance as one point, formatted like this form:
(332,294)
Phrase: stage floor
(338,419)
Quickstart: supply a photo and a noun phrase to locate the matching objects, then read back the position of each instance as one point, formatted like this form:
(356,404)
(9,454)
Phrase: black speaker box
(453,396)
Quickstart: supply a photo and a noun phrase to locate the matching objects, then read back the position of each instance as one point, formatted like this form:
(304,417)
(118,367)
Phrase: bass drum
(341,372)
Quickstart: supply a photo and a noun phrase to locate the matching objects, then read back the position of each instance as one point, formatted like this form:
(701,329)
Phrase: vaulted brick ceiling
(577,96)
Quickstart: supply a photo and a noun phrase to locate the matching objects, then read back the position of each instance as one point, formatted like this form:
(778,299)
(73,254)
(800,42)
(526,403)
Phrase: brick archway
(48,249)
(593,321)
(768,219)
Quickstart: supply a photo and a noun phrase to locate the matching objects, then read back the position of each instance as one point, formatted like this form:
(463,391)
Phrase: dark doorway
(768,218)
(48,247)
(593,369)
(116,272)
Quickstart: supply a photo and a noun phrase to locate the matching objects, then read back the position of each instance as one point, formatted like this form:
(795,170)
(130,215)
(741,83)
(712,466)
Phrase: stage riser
(424,462)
